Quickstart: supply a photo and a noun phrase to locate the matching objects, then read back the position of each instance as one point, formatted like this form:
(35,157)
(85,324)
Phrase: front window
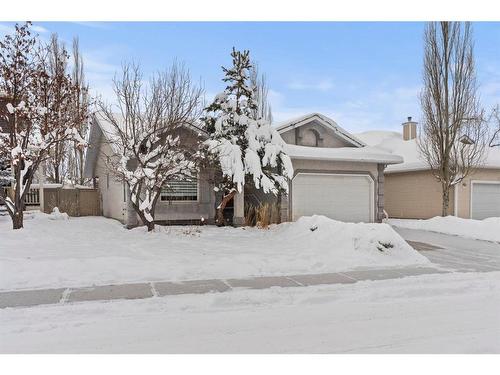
(176,190)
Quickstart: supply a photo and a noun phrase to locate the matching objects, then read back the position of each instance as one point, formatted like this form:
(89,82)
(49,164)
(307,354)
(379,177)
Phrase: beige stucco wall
(413,195)
(417,195)
(464,189)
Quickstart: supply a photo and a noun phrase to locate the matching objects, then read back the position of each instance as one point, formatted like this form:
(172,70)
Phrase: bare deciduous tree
(56,92)
(145,133)
(453,132)
(81,104)
(261,91)
(495,127)
(32,134)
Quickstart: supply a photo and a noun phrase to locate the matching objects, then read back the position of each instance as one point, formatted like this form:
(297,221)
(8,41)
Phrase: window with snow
(176,190)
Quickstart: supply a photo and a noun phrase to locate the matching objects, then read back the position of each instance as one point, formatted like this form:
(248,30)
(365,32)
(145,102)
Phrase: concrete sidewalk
(27,298)
(447,254)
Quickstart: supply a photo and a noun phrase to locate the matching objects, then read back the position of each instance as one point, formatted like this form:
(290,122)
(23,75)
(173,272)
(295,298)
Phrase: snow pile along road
(487,229)
(98,251)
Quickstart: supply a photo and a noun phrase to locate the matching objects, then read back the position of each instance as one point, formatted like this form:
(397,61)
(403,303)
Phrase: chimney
(409,129)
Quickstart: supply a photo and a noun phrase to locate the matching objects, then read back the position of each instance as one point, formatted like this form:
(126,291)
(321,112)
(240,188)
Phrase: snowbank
(487,229)
(95,250)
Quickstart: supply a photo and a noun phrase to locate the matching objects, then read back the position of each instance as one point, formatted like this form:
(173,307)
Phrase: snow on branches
(242,144)
(144,133)
(33,101)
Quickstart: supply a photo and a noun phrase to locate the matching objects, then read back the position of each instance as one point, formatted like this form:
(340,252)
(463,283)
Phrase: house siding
(111,190)
(417,195)
(414,195)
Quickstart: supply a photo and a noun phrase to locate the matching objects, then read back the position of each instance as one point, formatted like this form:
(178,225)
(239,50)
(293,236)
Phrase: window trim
(166,201)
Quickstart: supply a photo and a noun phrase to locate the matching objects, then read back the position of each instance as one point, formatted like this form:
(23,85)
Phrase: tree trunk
(446,200)
(278,207)
(150,225)
(219,218)
(18,220)
(80,167)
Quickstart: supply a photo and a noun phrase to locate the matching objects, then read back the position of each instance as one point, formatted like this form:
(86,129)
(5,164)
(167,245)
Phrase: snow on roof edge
(393,142)
(363,154)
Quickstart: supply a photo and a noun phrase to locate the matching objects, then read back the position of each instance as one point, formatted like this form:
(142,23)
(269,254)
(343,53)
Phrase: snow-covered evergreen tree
(240,144)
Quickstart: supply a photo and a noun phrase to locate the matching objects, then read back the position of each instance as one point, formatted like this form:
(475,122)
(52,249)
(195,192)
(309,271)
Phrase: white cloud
(39,29)
(94,25)
(10,29)
(322,85)
(6,29)
(378,108)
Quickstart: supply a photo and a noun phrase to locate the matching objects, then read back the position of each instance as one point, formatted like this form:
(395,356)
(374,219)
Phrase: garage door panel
(485,200)
(340,197)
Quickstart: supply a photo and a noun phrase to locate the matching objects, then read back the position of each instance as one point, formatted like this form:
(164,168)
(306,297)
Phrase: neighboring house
(412,192)
(335,174)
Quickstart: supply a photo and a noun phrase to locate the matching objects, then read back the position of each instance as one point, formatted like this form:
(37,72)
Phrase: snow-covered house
(183,202)
(335,174)
(412,192)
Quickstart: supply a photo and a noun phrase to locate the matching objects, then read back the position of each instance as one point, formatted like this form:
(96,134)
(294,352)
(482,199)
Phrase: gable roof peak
(325,121)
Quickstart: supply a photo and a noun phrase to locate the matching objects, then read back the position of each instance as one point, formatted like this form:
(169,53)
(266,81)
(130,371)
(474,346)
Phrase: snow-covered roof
(100,126)
(324,120)
(108,129)
(393,142)
(366,154)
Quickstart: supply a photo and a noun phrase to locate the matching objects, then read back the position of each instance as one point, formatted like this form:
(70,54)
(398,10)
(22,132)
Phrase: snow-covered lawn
(96,251)
(487,229)
(442,313)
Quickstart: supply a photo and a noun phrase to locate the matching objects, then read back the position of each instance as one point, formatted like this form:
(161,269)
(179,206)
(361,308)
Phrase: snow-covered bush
(240,144)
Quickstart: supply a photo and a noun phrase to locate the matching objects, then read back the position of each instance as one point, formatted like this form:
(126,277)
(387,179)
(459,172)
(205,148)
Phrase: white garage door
(340,197)
(485,200)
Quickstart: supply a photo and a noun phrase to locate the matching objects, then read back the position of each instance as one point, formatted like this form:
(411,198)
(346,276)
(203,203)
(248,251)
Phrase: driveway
(453,252)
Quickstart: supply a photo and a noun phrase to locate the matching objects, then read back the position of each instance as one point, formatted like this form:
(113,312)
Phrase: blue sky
(365,75)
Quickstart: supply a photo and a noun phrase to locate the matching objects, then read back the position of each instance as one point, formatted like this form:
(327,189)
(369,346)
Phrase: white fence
(32,197)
